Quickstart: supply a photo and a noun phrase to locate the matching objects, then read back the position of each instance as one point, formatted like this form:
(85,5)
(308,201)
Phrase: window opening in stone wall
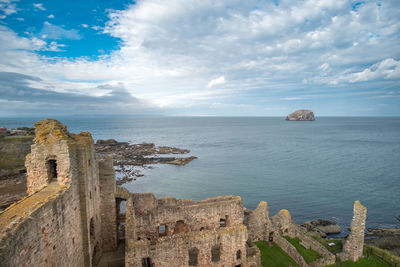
(146,262)
(51,165)
(91,227)
(238,254)
(222,222)
(201,228)
(271,236)
(181,227)
(193,256)
(162,230)
(239,265)
(121,206)
(215,253)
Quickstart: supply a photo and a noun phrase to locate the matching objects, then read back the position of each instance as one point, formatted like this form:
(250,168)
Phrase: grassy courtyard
(309,255)
(274,256)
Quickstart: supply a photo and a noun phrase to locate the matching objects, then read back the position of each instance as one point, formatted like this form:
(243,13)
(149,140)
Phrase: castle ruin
(74,216)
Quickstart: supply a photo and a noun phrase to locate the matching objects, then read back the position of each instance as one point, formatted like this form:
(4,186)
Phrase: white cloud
(39,6)
(84,25)
(51,16)
(8,7)
(217,81)
(385,69)
(292,98)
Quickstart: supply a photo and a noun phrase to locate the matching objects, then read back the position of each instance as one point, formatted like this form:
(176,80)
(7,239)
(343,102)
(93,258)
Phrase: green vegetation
(309,255)
(368,261)
(334,249)
(274,256)
(13,152)
(16,138)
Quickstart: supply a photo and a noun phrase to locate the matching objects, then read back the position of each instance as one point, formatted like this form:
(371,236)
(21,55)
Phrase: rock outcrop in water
(301,115)
(322,227)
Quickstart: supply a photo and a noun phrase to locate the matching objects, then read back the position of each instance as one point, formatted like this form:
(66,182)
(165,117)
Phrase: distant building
(3,130)
(17,132)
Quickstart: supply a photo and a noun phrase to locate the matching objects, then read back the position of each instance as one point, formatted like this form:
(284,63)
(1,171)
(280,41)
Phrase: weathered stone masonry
(175,232)
(59,223)
(354,244)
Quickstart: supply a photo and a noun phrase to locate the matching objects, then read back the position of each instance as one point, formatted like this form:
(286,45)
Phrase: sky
(199,58)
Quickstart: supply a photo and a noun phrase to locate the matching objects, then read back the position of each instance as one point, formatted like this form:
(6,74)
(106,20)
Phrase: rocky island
(301,115)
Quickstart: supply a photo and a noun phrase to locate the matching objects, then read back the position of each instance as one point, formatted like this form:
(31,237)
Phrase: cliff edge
(301,115)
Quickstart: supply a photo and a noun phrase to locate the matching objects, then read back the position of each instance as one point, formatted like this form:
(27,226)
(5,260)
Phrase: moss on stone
(49,131)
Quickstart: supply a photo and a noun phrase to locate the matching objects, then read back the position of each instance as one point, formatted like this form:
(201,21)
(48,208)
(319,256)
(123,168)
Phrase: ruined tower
(59,223)
(259,224)
(353,246)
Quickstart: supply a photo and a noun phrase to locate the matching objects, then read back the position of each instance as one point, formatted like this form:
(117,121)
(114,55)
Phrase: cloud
(84,25)
(218,81)
(54,32)
(292,98)
(39,6)
(51,16)
(16,87)
(8,7)
(170,50)
(385,69)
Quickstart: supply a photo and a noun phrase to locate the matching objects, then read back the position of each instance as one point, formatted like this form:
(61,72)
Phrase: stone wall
(290,250)
(43,230)
(174,250)
(107,205)
(59,223)
(259,224)
(354,244)
(327,257)
(214,224)
(178,215)
(283,223)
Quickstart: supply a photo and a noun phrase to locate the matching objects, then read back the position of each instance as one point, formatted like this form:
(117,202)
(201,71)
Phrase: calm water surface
(313,169)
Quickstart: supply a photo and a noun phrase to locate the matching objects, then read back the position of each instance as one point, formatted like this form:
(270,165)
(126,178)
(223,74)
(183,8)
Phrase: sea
(315,169)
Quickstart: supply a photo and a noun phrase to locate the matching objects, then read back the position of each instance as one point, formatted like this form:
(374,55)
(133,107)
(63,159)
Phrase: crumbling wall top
(49,130)
(359,206)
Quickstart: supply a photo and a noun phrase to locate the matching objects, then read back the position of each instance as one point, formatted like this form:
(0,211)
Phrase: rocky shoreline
(127,157)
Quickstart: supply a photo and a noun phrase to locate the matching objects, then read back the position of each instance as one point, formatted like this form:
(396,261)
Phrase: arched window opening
(215,253)
(238,254)
(181,227)
(51,165)
(193,256)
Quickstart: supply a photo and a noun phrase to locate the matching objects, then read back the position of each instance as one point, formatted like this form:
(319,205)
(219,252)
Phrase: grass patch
(368,261)
(309,255)
(17,138)
(274,256)
(334,249)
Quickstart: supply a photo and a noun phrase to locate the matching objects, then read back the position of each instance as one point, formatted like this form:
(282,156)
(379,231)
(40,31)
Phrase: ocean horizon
(315,169)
